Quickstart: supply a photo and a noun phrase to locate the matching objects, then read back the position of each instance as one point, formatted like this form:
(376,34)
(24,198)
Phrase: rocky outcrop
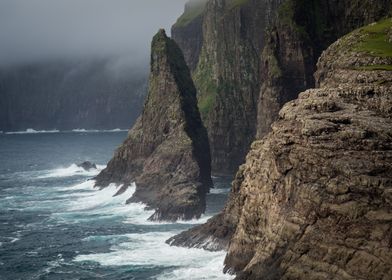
(87,165)
(71,94)
(167,152)
(295,41)
(255,56)
(313,200)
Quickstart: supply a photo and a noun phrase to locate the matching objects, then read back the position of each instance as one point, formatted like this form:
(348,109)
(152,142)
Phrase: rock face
(250,57)
(314,198)
(167,152)
(297,37)
(188,33)
(227,73)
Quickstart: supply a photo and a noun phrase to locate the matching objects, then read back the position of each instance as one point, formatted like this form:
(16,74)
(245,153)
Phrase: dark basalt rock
(167,152)
(87,165)
(248,58)
(313,200)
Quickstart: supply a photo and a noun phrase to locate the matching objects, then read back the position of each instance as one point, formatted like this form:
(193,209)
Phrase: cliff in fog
(68,95)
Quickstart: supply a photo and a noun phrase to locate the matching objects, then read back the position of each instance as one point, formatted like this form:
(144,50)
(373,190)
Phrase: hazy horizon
(38,31)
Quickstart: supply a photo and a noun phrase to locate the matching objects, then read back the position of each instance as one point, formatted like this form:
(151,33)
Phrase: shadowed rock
(167,152)
(313,200)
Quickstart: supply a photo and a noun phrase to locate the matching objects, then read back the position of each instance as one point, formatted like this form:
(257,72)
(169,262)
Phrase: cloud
(40,30)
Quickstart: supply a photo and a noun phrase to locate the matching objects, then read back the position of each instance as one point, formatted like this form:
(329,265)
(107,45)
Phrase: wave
(33,131)
(77,130)
(220,190)
(72,170)
(97,131)
(150,249)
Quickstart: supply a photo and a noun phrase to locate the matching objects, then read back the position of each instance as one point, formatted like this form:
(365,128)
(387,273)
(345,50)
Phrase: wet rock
(87,165)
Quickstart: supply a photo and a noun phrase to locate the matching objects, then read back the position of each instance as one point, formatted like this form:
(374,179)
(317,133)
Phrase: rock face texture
(167,151)
(188,31)
(250,57)
(314,198)
(295,41)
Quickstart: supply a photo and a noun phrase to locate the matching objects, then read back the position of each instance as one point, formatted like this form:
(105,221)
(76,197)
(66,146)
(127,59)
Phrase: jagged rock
(313,200)
(253,56)
(301,31)
(167,152)
(87,165)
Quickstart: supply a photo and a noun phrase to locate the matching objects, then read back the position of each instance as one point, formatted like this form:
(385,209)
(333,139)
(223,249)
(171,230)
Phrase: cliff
(226,75)
(167,151)
(65,95)
(295,41)
(313,200)
(249,57)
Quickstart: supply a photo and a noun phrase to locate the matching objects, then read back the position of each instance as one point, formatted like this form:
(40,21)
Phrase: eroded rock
(167,152)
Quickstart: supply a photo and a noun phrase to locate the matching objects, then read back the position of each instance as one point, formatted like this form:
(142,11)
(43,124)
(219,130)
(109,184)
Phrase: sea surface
(55,225)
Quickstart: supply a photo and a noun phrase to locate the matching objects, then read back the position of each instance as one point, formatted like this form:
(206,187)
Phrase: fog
(40,30)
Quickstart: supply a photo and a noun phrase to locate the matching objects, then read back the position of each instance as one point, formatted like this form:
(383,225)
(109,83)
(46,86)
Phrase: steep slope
(227,74)
(256,55)
(295,41)
(91,94)
(188,31)
(313,200)
(167,152)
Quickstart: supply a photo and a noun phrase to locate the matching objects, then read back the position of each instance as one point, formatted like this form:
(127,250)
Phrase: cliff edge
(314,198)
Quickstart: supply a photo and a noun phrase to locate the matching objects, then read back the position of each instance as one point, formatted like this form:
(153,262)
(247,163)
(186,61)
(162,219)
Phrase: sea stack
(314,198)
(167,152)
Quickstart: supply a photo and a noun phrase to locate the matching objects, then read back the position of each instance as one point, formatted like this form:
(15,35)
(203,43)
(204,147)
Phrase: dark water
(54,225)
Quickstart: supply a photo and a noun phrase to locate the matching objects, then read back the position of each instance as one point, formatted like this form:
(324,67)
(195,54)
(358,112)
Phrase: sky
(40,30)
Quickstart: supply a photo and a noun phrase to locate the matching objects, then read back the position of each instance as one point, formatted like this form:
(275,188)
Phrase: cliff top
(193,9)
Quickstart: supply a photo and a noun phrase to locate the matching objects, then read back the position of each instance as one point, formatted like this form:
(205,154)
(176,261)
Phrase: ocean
(55,225)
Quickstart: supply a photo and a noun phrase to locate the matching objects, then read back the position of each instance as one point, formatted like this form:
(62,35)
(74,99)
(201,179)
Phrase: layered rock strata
(167,151)
(314,198)
(250,57)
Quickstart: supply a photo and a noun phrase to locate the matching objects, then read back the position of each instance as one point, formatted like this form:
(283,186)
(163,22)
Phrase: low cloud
(39,30)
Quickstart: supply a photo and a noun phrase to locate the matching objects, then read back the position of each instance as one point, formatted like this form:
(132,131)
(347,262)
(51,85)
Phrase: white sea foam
(219,190)
(98,199)
(33,131)
(141,249)
(150,249)
(72,170)
(97,131)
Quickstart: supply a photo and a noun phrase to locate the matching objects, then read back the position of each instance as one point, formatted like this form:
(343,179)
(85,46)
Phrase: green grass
(376,42)
(191,12)
(375,67)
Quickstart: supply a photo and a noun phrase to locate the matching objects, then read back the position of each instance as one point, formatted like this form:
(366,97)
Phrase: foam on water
(96,130)
(33,131)
(220,190)
(72,170)
(150,249)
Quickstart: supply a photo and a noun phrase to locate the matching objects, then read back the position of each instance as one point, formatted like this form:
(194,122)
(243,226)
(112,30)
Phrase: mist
(35,31)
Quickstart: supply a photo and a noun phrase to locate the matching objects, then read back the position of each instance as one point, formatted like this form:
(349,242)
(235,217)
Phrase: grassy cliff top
(377,39)
(193,9)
